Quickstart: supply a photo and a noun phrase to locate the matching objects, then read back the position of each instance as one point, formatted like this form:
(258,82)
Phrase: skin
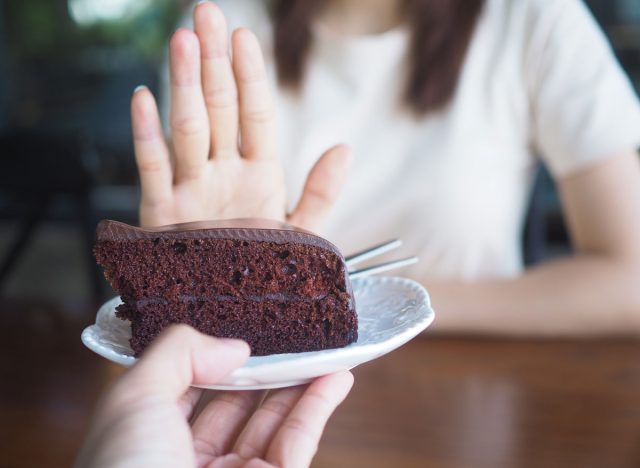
(153,417)
(361,17)
(590,292)
(217,102)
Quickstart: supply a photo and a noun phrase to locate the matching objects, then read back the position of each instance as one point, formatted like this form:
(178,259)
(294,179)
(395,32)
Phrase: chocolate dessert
(280,288)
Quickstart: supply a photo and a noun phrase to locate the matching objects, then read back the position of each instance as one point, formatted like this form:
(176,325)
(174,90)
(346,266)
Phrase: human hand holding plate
(152,417)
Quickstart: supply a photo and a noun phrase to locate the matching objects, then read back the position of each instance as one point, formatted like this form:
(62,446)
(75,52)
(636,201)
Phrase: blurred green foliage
(45,28)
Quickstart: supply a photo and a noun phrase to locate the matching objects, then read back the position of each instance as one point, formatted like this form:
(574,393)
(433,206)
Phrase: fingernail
(201,2)
(139,88)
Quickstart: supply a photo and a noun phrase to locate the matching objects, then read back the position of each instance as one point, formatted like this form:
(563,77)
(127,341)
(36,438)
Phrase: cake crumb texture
(279,297)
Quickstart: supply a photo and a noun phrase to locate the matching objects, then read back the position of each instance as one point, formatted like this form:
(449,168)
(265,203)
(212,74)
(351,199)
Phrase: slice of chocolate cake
(281,289)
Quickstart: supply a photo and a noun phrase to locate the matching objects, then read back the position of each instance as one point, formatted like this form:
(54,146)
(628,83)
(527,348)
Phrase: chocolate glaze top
(249,229)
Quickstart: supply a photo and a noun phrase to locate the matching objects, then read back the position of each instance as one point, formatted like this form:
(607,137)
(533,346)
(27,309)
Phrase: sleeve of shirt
(584,106)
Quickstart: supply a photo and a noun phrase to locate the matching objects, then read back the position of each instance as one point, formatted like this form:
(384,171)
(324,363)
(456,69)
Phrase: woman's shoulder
(534,28)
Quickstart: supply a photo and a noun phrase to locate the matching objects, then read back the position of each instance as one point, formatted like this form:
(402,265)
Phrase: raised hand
(151,417)
(224,162)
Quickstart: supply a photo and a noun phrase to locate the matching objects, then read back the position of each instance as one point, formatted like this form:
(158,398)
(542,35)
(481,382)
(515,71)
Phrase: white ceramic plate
(391,311)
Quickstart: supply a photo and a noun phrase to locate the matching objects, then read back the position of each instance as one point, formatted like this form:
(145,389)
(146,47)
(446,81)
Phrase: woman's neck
(361,17)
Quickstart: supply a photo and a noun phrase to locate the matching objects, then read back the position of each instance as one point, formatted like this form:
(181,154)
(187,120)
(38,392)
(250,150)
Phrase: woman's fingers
(296,442)
(263,425)
(189,121)
(257,122)
(152,154)
(322,188)
(218,82)
(217,426)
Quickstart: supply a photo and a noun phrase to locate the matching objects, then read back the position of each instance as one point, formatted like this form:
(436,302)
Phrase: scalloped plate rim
(255,375)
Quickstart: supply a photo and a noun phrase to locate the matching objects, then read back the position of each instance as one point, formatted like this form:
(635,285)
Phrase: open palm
(223,162)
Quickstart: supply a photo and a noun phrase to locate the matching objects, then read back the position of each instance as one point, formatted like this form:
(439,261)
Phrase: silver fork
(374,251)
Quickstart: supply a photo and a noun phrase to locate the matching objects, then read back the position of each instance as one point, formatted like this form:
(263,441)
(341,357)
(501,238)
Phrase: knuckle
(207,447)
(319,196)
(188,126)
(320,400)
(298,426)
(218,97)
(260,116)
(276,407)
(150,165)
(240,402)
(246,450)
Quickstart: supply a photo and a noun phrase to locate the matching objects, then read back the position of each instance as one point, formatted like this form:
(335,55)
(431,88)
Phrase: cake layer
(269,326)
(208,268)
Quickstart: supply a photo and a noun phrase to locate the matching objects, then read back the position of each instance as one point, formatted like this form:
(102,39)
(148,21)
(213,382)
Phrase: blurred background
(68,68)
(67,71)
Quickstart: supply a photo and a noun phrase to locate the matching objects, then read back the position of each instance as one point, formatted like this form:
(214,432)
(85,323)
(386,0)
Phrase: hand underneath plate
(223,162)
(153,417)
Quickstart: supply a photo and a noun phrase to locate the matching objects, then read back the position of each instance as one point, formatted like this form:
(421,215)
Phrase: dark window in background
(69,66)
(621,21)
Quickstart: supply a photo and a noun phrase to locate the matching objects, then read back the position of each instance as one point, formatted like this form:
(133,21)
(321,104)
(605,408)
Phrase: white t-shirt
(539,81)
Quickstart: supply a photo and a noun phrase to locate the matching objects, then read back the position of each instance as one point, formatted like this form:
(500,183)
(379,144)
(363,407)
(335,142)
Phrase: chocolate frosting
(249,229)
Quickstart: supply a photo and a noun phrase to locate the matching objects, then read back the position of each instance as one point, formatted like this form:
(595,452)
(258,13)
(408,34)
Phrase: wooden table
(436,402)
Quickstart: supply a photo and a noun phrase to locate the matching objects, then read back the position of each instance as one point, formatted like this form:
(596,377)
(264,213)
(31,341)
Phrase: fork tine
(372,252)
(381,267)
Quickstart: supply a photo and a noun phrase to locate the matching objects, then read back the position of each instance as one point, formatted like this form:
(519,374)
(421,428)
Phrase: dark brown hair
(440,35)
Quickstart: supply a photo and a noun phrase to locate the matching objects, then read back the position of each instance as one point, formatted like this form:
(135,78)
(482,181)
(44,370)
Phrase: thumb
(180,357)
(321,190)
